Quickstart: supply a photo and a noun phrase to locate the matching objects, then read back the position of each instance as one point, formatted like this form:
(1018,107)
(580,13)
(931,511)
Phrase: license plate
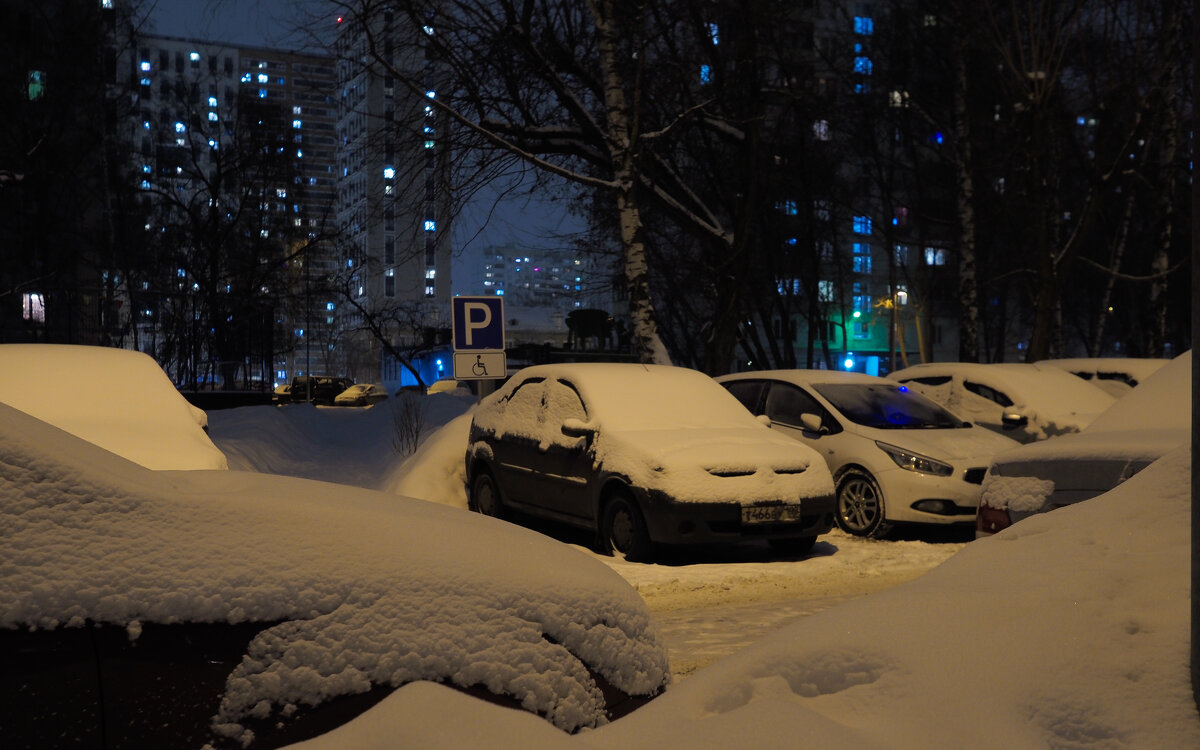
(770,513)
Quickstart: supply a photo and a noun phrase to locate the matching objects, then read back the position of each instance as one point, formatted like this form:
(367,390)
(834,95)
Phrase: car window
(928,380)
(986,391)
(562,403)
(522,412)
(786,403)
(749,392)
(886,407)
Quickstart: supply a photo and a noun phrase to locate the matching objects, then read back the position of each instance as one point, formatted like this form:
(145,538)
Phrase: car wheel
(860,505)
(793,547)
(623,530)
(485,496)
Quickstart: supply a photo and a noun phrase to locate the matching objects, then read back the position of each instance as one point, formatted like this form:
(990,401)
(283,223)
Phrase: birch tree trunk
(621,127)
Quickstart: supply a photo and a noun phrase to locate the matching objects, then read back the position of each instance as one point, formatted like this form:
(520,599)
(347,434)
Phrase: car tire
(794,547)
(860,505)
(485,496)
(623,531)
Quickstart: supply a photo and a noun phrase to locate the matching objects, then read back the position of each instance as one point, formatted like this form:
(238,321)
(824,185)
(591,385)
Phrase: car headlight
(915,461)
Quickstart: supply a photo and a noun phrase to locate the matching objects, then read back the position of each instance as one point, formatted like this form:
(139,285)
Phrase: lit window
(862,303)
(862,257)
(264,78)
(898,98)
(429,290)
(714,33)
(825,291)
(144,66)
(862,224)
(432,95)
(430,273)
(705,74)
(864,25)
(901,255)
(821,130)
(37,85)
(194,56)
(146,124)
(145,82)
(296,110)
(787,207)
(935,256)
(212,101)
(297,124)
(262,93)
(427,29)
(429,144)
(863,65)
(430,225)
(246,78)
(33,307)
(213,117)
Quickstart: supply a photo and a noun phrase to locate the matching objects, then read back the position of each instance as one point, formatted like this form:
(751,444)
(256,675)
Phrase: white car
(1140,428)
(895,456)
(362,394)
(1115,375)
(644,455)
(1026,402)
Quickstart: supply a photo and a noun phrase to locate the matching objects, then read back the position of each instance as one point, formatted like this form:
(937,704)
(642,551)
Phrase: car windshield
(888,407)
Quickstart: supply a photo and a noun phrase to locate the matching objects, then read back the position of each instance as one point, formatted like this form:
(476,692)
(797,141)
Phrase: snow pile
(1022,494)
(374,589)
(1068,630)
(349,445)
(120,400)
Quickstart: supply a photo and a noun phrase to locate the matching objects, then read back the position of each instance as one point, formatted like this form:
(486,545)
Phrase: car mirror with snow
(1012,420)
(576,428)
(764,419)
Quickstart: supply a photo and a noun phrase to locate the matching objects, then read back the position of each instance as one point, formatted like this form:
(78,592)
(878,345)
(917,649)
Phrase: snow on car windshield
(886,407)
(639,397)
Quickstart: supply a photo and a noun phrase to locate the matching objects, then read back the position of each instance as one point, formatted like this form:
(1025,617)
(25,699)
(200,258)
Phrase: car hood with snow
(748,465)
(354,589)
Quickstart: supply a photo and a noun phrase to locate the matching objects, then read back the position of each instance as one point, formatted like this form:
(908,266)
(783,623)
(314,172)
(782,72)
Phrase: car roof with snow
(1152,419)
(636,396)
(118,399)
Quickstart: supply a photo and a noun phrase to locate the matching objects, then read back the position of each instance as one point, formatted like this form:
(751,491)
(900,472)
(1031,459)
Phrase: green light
(857,314)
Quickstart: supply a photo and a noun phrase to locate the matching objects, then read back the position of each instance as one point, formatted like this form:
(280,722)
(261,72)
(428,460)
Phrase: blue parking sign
(478,323)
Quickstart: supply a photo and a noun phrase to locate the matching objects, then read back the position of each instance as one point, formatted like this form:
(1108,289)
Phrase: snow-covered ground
(1068,631)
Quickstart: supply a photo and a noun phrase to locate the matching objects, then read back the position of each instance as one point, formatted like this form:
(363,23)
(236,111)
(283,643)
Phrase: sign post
(478,335)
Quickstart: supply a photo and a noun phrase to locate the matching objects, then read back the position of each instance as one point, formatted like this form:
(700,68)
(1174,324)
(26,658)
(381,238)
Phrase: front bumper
(672,522)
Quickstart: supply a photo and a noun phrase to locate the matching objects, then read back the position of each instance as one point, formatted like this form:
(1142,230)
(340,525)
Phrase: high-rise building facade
(233,151)
(393,203)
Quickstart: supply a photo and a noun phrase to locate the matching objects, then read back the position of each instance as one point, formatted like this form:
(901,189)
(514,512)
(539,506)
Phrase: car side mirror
(812,423)
(764,419)
(1012,420)
(577,428)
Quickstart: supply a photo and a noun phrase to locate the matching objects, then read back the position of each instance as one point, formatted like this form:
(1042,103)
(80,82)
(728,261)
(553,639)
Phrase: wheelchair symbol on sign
(479,368)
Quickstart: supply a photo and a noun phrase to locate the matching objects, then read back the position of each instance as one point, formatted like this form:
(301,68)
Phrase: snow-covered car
(129,407)
(1114,375)
(282,394)
(229,609)
(362,394)
(1026,402)
(1138,429)
(643,455)
(895,456)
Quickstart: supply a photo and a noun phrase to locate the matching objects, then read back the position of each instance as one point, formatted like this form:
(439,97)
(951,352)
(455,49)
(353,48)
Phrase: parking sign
(478,323)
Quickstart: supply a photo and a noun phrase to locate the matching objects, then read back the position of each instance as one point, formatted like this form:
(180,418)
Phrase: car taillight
(989,520)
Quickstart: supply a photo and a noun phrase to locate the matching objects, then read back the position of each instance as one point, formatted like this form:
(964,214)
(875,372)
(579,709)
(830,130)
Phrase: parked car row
(328,391)
(626,452)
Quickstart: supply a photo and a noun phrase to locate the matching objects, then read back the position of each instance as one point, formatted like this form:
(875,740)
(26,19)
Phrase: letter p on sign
(478,323)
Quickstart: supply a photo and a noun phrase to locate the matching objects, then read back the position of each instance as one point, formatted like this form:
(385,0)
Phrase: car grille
(975,476)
